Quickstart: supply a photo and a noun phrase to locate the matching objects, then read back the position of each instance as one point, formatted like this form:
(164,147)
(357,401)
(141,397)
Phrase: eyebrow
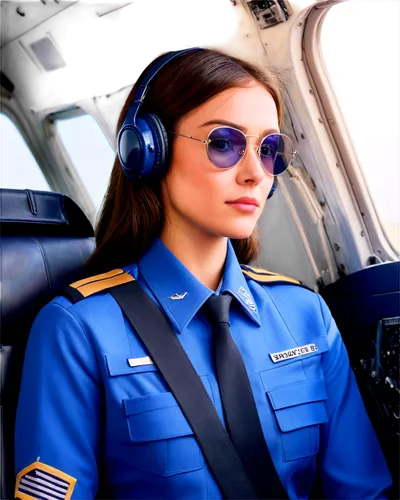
(240,127)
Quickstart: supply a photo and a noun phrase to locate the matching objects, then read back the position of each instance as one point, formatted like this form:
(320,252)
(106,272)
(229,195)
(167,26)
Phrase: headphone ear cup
(160,143)
(142,141)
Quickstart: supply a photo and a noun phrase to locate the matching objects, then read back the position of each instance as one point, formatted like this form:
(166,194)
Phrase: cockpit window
(18,167)
(362,58)
(89,151)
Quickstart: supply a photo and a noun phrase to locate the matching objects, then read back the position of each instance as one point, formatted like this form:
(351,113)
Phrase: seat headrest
(45,240)
(41,212)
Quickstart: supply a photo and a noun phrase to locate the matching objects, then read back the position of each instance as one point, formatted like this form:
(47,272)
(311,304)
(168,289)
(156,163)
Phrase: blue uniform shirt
(90,394)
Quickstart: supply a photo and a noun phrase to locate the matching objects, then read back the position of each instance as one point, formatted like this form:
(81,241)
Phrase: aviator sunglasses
(226,146)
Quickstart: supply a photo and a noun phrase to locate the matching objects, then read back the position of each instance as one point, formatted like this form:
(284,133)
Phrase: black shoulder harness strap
(157,335)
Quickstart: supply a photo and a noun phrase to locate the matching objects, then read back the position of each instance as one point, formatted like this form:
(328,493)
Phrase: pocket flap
(297,394)
(118,364)
(299,405)
(149,402)
(155,417)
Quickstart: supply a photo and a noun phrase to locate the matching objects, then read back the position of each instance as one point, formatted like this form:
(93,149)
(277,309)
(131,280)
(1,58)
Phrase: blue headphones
(142,140)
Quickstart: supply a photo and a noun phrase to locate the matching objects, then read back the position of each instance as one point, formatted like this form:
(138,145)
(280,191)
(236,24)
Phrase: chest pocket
(163,442)
(297,394)
(299,409)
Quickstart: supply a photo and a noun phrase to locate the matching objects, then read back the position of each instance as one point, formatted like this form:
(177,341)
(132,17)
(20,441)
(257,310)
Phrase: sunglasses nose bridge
(256,148)
(255,144)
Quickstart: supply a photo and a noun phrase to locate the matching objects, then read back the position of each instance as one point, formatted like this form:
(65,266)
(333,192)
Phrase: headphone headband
(142,141)
(149,74)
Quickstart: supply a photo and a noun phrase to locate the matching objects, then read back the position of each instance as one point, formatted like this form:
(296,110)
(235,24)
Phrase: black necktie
(243,423)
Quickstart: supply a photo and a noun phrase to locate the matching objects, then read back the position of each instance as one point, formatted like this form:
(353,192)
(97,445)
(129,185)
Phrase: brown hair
(132,214)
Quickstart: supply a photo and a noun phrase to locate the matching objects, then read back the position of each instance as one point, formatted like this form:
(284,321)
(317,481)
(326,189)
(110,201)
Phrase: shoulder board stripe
(98,286)
(256,270)
(266,276)
(89,286)
(97,277)
(270,279)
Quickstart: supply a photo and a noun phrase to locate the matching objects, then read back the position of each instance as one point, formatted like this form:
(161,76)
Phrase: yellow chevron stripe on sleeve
(38,481)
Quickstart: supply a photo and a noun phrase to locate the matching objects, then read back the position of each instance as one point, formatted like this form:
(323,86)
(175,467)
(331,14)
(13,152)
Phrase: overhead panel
(261,29)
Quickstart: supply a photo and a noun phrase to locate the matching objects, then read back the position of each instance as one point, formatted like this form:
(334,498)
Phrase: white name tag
(293,353)
(140,361)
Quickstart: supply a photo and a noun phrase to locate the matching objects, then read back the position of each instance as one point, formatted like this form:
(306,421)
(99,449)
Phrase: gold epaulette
(89,286)
(265,277)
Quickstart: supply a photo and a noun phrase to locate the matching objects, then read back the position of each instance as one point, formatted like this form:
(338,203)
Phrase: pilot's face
(197,194)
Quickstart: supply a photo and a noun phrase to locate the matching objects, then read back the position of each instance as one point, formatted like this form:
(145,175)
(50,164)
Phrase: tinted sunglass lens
(226,147)
(276,151)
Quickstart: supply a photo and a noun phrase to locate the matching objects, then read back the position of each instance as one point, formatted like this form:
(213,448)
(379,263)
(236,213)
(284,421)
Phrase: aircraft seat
(45,239)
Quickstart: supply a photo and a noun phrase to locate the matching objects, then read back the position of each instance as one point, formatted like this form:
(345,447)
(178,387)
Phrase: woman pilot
(199,147)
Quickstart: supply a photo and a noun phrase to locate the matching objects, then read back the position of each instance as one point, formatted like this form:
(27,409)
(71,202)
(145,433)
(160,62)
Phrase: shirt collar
(181,294)
(235,283)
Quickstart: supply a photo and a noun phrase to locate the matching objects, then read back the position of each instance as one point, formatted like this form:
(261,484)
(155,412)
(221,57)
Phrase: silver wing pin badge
(178,296)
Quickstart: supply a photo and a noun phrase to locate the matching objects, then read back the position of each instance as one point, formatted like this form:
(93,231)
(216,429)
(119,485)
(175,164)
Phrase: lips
(245,201)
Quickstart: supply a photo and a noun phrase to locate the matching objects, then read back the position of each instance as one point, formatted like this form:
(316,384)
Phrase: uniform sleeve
(58,416)
(351,462)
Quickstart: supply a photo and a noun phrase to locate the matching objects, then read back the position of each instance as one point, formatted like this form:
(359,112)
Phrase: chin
(238,232)
(240,236)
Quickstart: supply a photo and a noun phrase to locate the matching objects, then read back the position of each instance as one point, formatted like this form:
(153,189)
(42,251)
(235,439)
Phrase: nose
(250,169)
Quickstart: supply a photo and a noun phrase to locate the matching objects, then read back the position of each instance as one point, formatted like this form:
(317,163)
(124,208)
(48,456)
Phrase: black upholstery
(357,302)
(45,239)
